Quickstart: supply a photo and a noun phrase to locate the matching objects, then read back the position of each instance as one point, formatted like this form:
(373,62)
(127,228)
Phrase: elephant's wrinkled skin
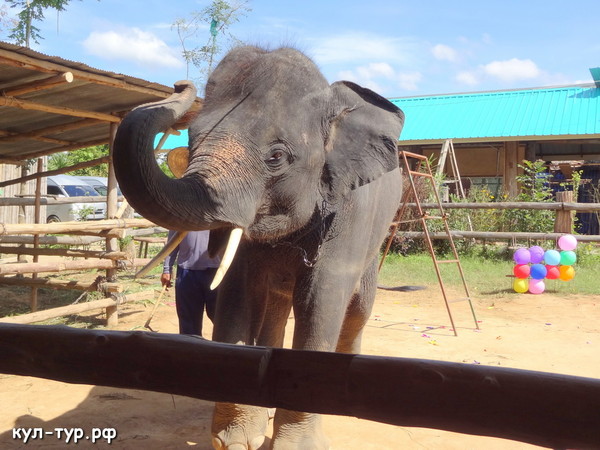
(310,172)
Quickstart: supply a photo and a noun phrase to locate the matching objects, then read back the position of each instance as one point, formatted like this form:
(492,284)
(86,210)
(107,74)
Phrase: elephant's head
(272,141)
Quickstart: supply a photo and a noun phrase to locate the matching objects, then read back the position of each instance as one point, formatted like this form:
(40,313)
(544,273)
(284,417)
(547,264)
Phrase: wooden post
(564,218)
(511,159)
(112,317)
(36,237)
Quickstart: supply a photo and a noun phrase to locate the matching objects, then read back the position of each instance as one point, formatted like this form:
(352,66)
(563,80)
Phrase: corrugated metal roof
(490,116)
(65,116)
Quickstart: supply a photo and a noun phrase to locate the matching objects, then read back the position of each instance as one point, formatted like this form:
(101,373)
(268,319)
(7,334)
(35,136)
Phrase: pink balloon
(567,242)
(536,286)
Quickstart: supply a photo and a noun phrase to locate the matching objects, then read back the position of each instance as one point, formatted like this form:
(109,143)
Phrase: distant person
(195,272)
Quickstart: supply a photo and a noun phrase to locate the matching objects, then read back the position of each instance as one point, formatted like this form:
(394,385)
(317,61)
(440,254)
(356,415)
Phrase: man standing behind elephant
(195,272)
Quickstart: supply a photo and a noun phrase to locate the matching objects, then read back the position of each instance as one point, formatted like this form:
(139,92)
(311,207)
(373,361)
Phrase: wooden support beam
(19,60)
(51,240)
(33,176)
(7,159)
(5,136)
(61,110)
(56,284)
(61,266)
(544,409)
(46,83)
(66,252)
(78,308)
(67,227)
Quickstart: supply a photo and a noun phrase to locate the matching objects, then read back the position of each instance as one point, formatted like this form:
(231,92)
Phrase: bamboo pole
(544,409)
(561,206)
(60,266)
(75,253)
(56,284)
(77,308)
(67,227)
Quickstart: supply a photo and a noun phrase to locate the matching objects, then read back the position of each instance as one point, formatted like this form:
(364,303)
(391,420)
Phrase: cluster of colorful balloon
(534,264)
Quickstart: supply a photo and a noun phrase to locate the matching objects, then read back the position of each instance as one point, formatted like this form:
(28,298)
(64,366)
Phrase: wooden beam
(78,308)
(511,159)
(5,136)
(81,165)
(62,110)
(66,227)
(51,240)
(544,409)
(18,159)
(46,83)
(66,252)
(18,60)
(61,266)
(51,200)
(56,284)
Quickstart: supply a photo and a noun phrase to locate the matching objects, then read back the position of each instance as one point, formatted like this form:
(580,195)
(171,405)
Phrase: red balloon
(553,272)
(521,270)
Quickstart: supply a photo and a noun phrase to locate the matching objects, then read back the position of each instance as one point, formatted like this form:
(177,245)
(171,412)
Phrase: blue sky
(395,47)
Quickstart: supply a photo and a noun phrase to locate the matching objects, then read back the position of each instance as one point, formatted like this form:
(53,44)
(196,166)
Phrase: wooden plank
(67,227)
(61,266)
(55,284)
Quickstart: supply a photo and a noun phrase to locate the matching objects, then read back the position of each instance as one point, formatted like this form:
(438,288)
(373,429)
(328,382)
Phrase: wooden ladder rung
(445,261)
(420,174)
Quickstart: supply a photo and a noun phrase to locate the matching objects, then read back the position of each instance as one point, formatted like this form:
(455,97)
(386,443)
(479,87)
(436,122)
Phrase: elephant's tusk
(168,248)
(232,245)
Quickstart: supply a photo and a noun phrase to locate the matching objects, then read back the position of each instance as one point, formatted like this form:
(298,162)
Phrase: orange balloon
(566,273)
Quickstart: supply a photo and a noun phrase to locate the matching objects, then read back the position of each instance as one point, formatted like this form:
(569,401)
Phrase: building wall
(11,214)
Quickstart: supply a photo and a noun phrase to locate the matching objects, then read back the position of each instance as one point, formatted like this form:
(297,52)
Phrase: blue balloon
(538,271)
(552,257)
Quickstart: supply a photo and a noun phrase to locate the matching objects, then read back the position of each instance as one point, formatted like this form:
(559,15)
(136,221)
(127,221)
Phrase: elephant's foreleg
(358,313)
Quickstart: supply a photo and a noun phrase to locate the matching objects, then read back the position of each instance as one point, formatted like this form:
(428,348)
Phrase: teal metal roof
(493,116)
(550,113)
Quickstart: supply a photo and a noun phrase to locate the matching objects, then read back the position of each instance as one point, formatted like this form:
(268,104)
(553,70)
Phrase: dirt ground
(544,332)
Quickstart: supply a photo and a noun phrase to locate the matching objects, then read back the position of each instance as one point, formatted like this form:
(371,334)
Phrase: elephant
(304,175)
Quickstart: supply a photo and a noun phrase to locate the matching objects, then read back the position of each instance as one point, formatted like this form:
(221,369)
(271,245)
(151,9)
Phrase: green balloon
(568,257)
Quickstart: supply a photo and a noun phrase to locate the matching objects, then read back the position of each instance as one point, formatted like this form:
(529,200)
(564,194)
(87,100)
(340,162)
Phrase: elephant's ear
(361,133)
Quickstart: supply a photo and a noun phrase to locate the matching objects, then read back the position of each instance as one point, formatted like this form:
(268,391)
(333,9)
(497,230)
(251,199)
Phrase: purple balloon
(522,256)
(538,271)
(537,254)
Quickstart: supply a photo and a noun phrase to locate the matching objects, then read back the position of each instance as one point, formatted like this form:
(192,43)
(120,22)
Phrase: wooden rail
(549,410)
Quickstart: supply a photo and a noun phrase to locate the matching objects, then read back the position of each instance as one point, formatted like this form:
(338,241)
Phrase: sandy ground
(545,332)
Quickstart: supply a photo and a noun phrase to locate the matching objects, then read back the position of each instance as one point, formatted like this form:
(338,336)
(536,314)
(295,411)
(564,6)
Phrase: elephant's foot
(294,430)
(239,427)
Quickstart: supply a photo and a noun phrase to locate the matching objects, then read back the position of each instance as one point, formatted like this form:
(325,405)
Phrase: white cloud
(444,53)
(468,78)
(374,75)
(513,69)
(361,47)
(132,45)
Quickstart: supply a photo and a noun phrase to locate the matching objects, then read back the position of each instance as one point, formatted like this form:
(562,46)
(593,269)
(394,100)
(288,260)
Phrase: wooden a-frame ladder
(423,169)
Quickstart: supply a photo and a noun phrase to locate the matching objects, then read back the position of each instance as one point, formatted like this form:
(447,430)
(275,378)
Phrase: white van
(69,186)
(100,184)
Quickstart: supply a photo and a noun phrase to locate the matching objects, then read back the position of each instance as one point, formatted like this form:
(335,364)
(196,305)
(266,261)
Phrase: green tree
(67,159)
(31,11)
(218,16)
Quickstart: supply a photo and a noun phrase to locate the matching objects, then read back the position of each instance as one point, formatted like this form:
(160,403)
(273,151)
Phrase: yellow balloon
(566,273)
(521,285)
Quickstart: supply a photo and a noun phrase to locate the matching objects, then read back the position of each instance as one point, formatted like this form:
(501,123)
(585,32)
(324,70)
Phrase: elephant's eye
(276,156)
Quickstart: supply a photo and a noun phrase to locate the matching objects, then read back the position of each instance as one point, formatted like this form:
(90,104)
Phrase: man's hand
(165,280)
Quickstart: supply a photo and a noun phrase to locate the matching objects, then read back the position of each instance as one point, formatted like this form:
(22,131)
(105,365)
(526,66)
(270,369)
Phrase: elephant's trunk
(175,204)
